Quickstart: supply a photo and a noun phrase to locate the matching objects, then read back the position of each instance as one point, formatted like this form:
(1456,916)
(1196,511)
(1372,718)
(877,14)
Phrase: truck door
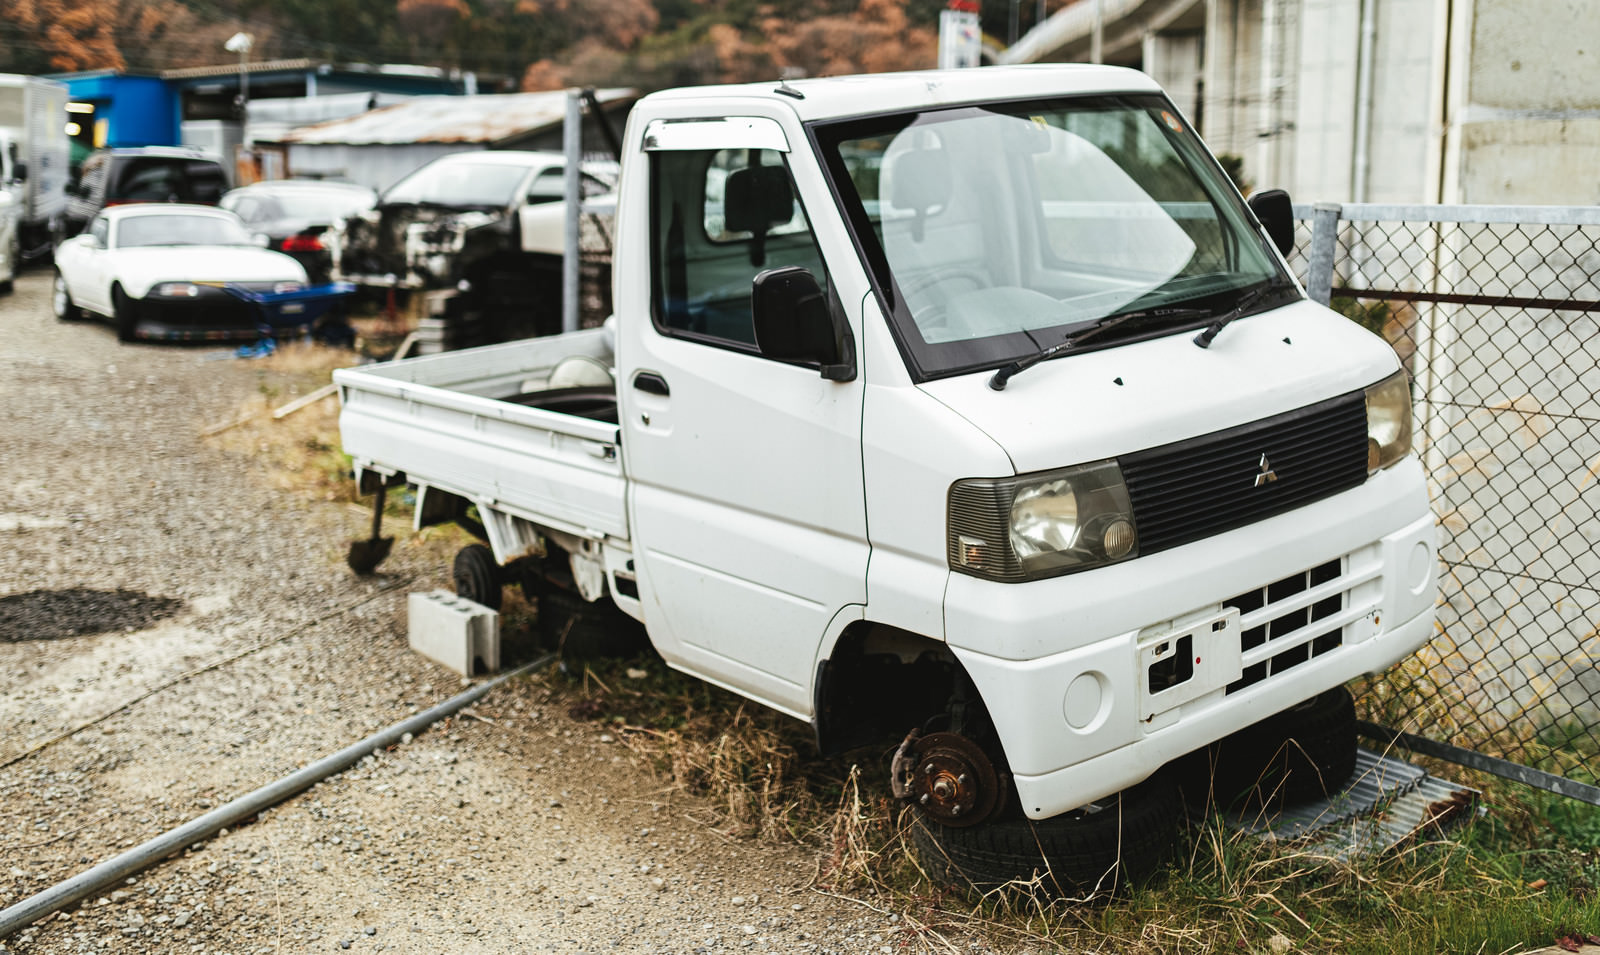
(748,515)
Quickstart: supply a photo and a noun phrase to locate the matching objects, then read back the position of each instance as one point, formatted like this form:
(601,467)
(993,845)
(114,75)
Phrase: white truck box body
(33,114)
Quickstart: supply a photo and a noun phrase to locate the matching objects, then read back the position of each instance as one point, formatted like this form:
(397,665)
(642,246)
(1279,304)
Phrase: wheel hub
(948,776)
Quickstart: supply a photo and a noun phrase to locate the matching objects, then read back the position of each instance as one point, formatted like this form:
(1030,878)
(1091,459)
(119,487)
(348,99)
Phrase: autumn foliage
(531,44)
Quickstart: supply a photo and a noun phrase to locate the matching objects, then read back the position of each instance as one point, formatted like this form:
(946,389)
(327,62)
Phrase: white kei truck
(971,411)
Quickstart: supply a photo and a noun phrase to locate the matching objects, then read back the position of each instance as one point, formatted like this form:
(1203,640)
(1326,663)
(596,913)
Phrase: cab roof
(844,96)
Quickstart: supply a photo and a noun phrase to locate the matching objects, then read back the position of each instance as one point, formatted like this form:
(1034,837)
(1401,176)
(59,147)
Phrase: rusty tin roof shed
(495,121)
(380,146)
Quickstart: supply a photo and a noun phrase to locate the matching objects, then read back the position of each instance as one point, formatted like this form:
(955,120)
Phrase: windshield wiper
(1006,372)
(1209,333)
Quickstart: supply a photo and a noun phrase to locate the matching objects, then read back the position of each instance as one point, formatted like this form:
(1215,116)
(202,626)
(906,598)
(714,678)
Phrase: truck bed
(483,425)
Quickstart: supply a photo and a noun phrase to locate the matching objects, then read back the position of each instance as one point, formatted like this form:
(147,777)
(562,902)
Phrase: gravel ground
(199,625)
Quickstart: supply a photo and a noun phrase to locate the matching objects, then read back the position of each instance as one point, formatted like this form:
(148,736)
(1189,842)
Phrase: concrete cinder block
(461,634)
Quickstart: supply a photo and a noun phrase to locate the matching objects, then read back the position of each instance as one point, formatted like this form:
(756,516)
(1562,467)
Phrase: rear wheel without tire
(477,576)
(61,301)
(1095,850)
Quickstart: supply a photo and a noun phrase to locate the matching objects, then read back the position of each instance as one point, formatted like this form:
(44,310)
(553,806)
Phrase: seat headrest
(920,179)
(757,198)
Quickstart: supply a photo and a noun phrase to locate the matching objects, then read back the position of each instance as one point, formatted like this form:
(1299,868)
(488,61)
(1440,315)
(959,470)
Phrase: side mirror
(1276,214)
(793,322)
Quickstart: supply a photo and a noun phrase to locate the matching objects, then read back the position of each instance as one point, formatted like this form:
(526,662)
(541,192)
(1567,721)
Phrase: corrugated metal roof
(1385,802)
(260,66)
(483,119)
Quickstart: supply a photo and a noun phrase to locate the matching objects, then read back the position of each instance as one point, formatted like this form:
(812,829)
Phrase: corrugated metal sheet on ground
(1386,802)
(487,118)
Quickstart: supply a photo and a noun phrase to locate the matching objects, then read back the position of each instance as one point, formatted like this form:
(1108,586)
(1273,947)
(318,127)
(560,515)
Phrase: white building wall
(1403,91)
(375,166)
(1526,126)
(1232,77)
(1325,108)
(1174,61)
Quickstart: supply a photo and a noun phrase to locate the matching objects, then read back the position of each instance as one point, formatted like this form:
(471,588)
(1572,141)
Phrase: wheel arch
(879,680)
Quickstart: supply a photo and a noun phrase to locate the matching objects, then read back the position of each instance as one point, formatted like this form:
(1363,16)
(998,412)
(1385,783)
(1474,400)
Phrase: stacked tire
(1094,851)
(1303,753)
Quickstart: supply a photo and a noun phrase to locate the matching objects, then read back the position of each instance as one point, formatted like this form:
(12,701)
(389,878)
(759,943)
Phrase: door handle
(651,383)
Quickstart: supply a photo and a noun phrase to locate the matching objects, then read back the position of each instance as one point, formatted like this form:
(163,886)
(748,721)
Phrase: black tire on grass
(579,629)
(1120,840)
(1305,752)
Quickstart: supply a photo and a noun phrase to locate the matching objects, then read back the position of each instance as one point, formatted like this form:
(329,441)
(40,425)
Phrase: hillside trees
(531,44)
(41,36)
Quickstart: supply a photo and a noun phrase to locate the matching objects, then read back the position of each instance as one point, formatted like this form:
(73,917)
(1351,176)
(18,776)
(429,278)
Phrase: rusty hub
(949,776)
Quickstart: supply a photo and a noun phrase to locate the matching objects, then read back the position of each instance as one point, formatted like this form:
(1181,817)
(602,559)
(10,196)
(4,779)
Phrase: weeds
(1514,881)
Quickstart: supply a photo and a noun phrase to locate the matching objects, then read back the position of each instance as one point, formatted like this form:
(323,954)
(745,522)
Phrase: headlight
(1041,525)
(1388,421)
(178,290)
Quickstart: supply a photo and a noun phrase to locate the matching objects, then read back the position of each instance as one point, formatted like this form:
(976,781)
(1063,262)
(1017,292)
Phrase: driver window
(720,218)
(100,231)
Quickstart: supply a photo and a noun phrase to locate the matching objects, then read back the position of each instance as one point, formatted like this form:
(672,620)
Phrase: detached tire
(578,629)
(477,576)
(1303,753)
(1096,851)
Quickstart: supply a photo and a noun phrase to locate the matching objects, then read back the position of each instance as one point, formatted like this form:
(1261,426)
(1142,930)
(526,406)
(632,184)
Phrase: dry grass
(301,449)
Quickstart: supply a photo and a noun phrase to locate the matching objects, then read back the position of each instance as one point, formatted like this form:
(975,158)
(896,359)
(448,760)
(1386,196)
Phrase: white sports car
(158,270)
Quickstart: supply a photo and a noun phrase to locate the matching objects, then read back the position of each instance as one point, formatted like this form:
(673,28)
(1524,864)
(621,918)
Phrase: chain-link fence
(1495,312)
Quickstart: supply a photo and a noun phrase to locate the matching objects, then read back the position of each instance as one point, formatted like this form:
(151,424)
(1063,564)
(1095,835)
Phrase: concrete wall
(1526,118)
(1478,101)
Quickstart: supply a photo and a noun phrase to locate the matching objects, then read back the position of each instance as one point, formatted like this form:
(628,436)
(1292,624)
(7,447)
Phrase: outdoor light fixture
(240,43)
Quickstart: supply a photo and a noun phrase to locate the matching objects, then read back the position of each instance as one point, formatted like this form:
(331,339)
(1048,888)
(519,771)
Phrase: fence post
(1319,265)
(572,147)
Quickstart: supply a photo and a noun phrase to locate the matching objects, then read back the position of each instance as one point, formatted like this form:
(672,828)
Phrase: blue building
(202,105)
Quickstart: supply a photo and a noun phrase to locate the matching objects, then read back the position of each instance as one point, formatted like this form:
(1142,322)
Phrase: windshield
(137,231)
(460,184)
(996,231)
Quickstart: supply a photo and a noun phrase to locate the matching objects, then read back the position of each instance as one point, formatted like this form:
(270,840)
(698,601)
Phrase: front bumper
(212,314)
(1103,677)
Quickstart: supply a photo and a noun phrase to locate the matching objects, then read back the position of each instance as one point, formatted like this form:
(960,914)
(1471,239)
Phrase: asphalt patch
(54,614)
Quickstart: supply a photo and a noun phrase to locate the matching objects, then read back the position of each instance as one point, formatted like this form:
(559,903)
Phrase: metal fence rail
(1495,311)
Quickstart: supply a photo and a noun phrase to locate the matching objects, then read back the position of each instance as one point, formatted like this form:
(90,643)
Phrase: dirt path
(134,555)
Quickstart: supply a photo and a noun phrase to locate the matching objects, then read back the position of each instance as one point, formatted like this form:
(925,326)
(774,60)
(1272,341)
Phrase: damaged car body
(470,221)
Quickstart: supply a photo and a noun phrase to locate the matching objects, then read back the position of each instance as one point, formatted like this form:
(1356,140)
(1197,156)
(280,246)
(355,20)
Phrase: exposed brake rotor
(948,775)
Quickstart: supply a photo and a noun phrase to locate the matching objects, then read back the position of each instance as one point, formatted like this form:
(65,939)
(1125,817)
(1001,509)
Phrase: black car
(142,174)
(290,216)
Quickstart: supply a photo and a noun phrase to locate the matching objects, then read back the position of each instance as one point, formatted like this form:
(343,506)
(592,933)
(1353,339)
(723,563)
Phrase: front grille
(1294,619)
(1193,489)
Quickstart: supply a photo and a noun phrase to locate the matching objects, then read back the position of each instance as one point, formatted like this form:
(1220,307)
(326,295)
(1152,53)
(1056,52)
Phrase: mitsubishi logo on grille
(1265,475)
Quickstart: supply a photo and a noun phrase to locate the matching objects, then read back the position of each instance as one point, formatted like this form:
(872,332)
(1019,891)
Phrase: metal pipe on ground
(173,841)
